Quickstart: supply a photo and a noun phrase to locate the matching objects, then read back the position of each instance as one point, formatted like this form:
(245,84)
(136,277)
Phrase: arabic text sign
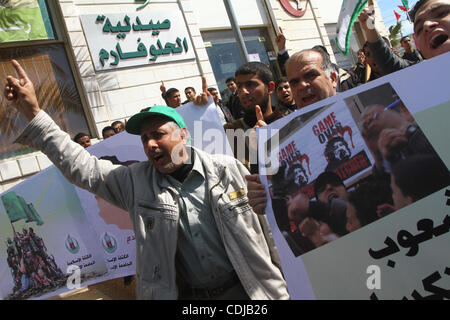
(409,246)
(133,39)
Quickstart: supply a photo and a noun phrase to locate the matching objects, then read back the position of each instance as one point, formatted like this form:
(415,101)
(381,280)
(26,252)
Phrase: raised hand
(253,140)
(391,141)
(280,40)
(163,88)
(367,22)
(259,118)
(202,99)
(20,91)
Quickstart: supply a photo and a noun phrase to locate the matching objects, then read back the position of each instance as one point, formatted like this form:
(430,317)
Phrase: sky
(387,8)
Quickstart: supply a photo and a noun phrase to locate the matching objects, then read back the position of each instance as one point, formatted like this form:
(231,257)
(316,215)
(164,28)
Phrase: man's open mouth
(309,98)
(438,40)
(157,157)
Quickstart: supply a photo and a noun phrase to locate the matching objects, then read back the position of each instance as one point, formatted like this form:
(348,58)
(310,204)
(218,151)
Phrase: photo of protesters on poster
(350,164)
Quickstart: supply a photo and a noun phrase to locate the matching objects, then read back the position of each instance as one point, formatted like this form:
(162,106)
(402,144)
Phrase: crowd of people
(406,166)
(191,217)
(32,268)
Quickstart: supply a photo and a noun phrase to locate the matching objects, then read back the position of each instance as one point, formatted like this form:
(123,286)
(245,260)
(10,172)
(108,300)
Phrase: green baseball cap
(133,125)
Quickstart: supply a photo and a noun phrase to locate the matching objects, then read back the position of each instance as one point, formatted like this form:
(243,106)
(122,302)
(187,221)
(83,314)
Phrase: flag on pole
(17,209)
(406,4)
(350,11)
(403,8)
(397,15)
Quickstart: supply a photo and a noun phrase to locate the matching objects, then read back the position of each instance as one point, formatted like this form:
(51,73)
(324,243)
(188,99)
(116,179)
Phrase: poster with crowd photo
(48,226)
(382,232)
(43,234)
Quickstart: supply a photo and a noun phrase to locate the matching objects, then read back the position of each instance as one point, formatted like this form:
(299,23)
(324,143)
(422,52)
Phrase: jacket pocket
(159,227)
(236,207)
(154,216)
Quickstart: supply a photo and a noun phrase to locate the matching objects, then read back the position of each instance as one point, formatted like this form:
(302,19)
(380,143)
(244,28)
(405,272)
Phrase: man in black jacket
(431,26)
(233,103)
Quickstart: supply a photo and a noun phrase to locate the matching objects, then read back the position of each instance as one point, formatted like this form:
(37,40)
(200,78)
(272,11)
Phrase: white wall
(116,95)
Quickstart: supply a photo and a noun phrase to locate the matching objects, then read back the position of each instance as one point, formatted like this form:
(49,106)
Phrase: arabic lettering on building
(153,51)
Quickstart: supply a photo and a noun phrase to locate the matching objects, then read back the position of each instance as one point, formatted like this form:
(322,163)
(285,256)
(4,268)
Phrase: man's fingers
(259,205)
(205,86)
(259,114)
(253,178)
(22,74)
(13,83)
(281,30)
(370,3)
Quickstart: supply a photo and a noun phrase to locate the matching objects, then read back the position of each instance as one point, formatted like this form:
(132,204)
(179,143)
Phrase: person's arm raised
(20,91)
(202,99)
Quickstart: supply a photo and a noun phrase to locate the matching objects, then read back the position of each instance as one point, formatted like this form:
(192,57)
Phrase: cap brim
(134,125)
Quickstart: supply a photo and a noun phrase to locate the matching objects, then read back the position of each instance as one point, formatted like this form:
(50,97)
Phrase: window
(224,54)
(48,68)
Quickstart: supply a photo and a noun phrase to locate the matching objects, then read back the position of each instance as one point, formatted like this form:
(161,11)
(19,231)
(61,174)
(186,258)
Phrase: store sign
(296,12)
(134,39)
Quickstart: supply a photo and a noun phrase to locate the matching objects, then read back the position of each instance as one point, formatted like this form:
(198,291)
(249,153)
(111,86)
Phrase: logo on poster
(109,243)
(72,245)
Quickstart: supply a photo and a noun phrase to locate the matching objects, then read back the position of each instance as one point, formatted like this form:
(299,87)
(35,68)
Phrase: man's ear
(184,134)
(334,79)
(271,87)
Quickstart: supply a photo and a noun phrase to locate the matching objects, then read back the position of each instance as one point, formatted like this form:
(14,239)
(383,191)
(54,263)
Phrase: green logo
(109,243)
(72,245)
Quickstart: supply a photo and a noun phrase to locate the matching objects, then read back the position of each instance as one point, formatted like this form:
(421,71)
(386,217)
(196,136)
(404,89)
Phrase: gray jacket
(155,212)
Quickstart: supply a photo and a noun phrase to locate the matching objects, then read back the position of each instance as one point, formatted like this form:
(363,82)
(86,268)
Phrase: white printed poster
(368,217)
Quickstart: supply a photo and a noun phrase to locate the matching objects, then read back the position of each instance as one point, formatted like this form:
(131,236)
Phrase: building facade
(97,61)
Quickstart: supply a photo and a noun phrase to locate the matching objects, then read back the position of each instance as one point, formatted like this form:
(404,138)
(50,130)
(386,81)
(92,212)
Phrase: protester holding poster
(160,194)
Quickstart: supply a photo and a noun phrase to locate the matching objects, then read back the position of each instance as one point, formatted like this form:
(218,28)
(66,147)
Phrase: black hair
(403,39)
(257,68)
(329,148)
(230,79)
(80,135)
(367,197)
(420,175)
(211,89)
(192,88)
(170,92)
(412,13)
(116,122)
(106,129)
(281,80)
(326,178)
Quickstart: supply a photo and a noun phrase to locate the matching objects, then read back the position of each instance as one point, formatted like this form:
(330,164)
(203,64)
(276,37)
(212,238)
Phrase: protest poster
(395,252)
(38,249)
(72,227)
